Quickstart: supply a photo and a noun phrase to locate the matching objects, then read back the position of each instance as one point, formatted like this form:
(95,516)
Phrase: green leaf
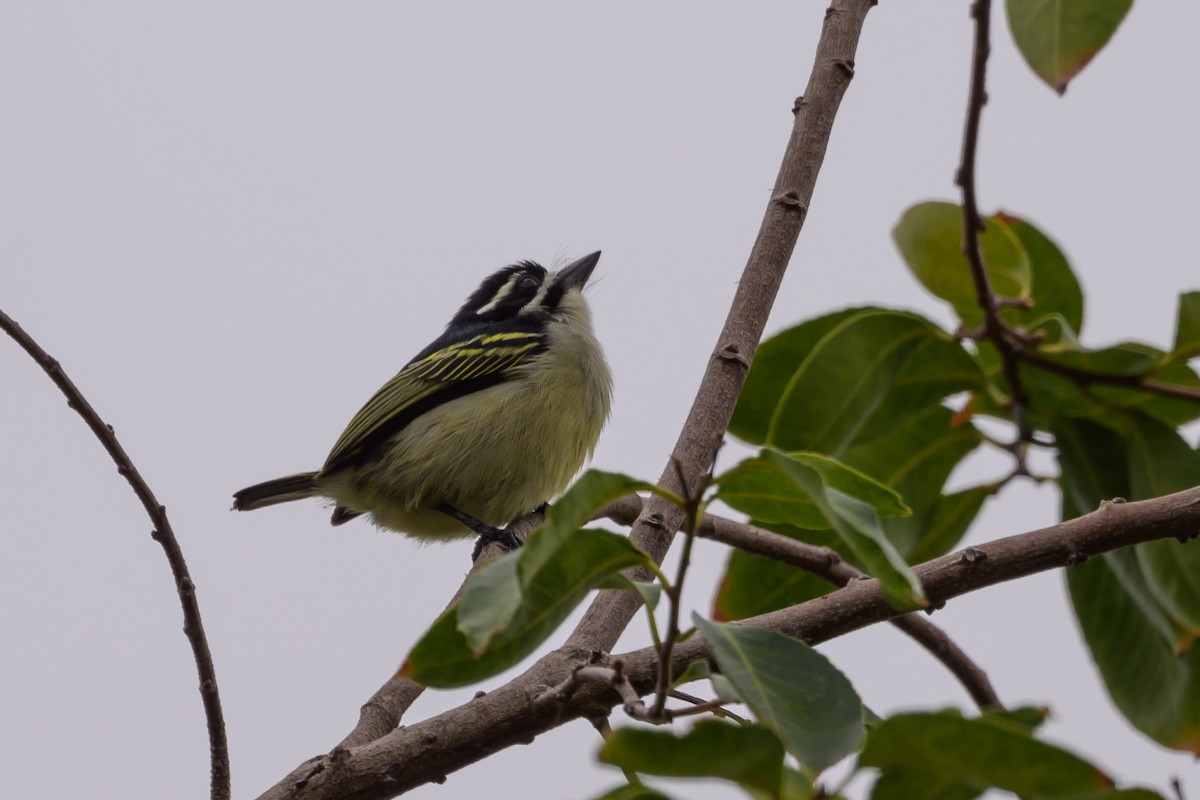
(1130,638)
(929,236)
(749,755)
(758,487)
(790,688)
(514,603)
(1187,328)
(1160,463)
(1126,359)
(937,368)
(754,585)
(1055,291)
(1094,463)
(1059,37)
(841,382)
(915,459)
(1174,412)
(469,642)
(978,754)
(765,490)
(592,491)
(633,791)
(913,784)
(775,362)
(856,522)
(1156,690)
(947,523)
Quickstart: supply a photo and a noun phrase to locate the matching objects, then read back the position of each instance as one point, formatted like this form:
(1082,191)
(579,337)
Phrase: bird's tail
(280,490)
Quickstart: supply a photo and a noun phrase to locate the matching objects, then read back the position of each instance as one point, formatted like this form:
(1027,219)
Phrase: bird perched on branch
(486,424)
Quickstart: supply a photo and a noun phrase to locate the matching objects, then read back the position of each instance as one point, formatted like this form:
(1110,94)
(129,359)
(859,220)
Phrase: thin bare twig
(828,565)
(193,627)
(693,499)
(1007,341)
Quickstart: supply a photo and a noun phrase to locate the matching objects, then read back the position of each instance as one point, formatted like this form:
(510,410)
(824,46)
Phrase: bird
(487,423)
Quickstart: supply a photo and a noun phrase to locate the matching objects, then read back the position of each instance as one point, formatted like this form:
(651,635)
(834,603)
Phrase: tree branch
(516,713)
(1008,342)
(382,713)
(702,433)
(193,627)
(828,565)
(721,385)
(1085,377)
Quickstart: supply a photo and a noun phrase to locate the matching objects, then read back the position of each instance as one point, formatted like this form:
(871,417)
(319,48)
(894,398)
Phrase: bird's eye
(529,282)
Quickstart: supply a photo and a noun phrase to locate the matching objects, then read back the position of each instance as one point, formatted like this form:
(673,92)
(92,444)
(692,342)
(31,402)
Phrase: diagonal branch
(193,627)
(516,713)
(699,438)
(382,713)
(729,362)
(828,565)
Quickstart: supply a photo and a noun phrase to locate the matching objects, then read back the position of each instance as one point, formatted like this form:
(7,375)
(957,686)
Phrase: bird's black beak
(577,273)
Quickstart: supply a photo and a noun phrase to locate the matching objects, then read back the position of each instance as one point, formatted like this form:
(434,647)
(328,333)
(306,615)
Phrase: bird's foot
(487,533)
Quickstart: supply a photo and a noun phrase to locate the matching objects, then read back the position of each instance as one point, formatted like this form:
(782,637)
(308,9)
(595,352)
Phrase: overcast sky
(231,221)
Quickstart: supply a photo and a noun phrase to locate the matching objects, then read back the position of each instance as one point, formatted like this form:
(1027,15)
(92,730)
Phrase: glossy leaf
(468,643)
(947,523)
(1156,690)
(750,756)
(856,523)
(513,604)
(1125,359)
(591,492)
(1055,290)
(1174,412)
(633,791)
(915,459)
(765,489)
(1187,327)
(1059,37)
(913,784)
(844,379)
(937,368)
(791,688)
(929,236)
(1161,462)
(1130,639)
(754,585)
(775,363)
(979,754)
(1094,462)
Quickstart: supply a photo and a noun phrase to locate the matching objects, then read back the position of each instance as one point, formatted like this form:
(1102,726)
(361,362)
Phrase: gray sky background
(232,221)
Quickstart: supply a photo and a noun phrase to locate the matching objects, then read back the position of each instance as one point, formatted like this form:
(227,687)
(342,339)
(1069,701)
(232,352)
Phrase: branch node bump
(731,352)
(799,103)
(479,694)
(655,520)
(973,555)
(846,65)
(1076,558)
(791,200)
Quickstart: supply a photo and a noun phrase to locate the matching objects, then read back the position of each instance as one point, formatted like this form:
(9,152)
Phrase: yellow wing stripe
(472,358)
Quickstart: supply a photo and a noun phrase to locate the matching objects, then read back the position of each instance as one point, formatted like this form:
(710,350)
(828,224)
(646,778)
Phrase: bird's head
(527,293)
